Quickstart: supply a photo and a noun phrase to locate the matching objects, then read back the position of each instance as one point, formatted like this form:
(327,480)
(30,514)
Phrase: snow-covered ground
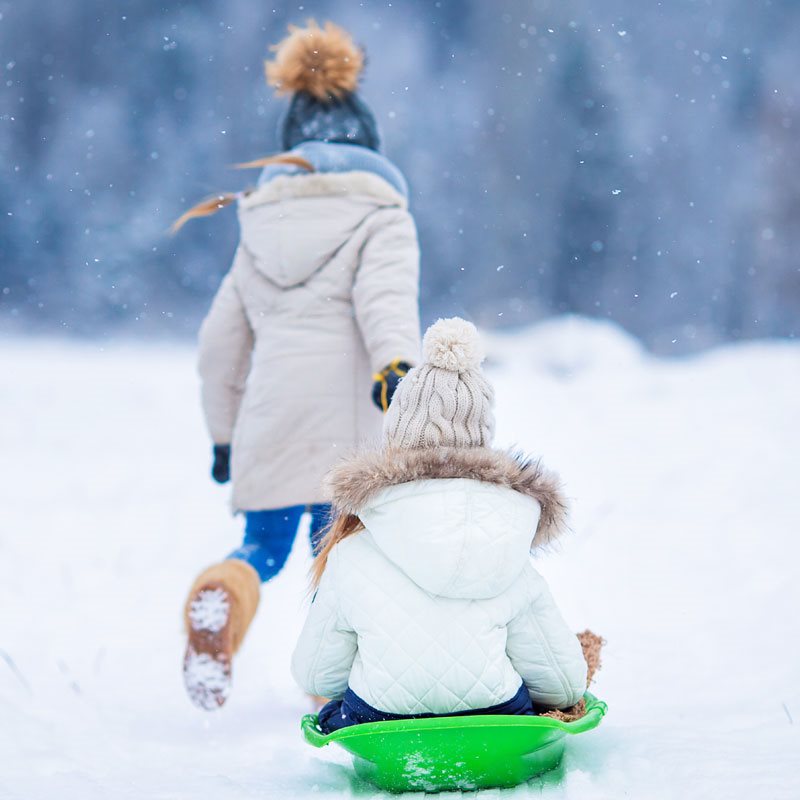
(685,556)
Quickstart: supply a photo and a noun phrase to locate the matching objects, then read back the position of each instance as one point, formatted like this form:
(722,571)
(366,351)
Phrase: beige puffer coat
(323,292)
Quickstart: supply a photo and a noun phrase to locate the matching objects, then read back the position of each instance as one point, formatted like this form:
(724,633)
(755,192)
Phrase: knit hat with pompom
(445,401)
(321,67)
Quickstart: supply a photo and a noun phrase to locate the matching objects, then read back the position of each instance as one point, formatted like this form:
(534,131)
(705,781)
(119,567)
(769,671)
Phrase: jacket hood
(295,224)
(458,522)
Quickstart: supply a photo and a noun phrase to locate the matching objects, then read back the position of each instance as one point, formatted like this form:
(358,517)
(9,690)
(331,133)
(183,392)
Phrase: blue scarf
(332,157)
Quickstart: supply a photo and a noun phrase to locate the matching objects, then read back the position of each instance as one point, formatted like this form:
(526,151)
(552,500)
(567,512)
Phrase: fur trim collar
(353,482)
(318,184)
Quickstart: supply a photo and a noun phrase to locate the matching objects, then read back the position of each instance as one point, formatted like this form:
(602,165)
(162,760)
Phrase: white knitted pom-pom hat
(445,401)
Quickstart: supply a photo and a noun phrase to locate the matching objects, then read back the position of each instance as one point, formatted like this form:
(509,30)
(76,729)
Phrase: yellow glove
(386,383)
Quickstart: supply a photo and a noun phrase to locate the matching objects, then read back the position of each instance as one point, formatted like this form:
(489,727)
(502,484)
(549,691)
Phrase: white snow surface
(684,556)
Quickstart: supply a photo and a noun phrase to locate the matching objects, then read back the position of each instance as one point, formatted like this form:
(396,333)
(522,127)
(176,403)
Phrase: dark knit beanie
(346,120)
(320,67)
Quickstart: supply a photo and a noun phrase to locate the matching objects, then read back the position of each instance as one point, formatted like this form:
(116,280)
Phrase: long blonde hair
(342,526)
(212,204)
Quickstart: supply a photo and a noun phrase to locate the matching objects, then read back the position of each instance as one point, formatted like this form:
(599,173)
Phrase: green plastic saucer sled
(448,753)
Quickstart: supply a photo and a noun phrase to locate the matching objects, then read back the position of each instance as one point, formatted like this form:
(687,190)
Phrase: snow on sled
(449,753)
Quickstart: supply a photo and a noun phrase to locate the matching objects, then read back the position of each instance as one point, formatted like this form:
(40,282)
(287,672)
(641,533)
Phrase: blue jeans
(352,710)
(269,536)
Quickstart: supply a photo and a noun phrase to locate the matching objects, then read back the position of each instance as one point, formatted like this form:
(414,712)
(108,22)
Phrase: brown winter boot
(218,612)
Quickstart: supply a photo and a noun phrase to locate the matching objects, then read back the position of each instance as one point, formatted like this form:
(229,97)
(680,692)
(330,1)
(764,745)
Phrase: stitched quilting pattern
(447,610)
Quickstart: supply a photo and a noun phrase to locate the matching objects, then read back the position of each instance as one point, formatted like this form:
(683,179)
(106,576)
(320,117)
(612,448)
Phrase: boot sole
(209,651)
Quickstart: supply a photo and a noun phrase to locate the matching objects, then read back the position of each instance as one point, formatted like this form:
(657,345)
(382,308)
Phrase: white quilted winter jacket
(435,607)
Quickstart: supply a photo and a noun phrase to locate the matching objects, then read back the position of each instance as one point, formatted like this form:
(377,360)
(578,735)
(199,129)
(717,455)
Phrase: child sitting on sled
(427,602)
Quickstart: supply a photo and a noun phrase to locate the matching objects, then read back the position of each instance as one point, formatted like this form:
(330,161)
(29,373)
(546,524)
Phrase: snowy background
(634,161)
(685,555)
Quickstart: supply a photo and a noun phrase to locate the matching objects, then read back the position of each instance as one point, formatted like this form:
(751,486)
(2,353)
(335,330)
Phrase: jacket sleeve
(327,645)
(226,344)
(386,290)
(544,651)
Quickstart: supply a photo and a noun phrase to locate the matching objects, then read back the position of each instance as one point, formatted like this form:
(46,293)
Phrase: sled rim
(595,711)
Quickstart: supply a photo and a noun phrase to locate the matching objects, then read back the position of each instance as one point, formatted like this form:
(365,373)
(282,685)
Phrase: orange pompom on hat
(320,67)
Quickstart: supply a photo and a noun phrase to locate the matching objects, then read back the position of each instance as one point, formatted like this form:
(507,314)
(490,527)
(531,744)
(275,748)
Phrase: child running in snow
(310,330)
(426,599)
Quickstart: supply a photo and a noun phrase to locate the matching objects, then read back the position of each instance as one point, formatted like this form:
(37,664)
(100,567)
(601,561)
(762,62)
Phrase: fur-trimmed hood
(354,482)
(320,184)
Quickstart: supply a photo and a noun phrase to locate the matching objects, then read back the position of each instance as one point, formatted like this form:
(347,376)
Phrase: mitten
(386,382)
(221,469)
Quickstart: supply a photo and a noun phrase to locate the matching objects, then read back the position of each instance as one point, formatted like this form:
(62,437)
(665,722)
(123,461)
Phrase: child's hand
(386,382)
(221,470)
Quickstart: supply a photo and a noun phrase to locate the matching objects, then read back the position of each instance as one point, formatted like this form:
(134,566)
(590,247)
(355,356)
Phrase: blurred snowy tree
(635,162)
